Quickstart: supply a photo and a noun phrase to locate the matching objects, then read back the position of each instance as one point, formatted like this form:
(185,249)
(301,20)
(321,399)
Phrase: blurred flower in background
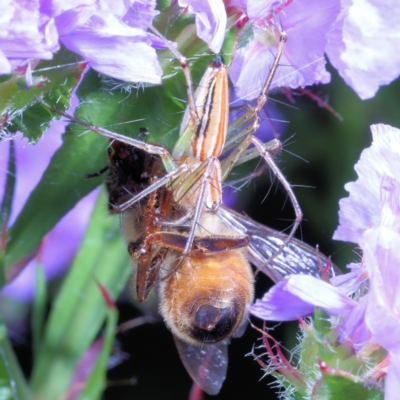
(59,246)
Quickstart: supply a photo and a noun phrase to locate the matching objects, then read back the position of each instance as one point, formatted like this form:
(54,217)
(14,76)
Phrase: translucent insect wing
(206,365)
(296,257)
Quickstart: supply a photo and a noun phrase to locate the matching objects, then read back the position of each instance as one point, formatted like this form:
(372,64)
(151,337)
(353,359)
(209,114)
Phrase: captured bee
(156,237)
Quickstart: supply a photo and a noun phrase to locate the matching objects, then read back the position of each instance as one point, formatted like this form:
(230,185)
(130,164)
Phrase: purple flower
(307,23)
(380,249)
(362,209)
(119,31)
(111,35)
(382,259)
(370,216)
(210,20)
(26,33)
(365,37)
(302,293)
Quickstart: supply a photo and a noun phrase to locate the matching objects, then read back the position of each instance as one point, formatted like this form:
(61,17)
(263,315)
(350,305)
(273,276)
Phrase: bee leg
(147,269)
(210,244)
(159,183)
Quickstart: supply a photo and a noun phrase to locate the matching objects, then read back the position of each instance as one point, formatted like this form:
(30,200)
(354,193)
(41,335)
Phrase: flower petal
(382,259)
(392,381)
(353,328)
(74,17)
(349,283)
(297,295)
(364,38)
(118,43)
(306,23)
(26,32)
(362,209)
(210,20)
(5,66)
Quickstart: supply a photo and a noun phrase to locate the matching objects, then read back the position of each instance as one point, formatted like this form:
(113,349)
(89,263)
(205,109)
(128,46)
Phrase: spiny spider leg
(204,187)
(266,155)
(180,222)
(164,154)
(164,181)
(266,150)
(186,71)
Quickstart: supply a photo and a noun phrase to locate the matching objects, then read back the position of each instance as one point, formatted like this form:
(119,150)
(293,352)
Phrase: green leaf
(79,309)
(97,381)
(342,369)
(61,187)
(289,390)
(39,309)
(126,113)
(53,80)
(9,188)
(321,342)
(12,382)
(5,210)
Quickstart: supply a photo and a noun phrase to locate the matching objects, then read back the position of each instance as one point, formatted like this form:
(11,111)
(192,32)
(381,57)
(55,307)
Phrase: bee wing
(296,257)
(206,365)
